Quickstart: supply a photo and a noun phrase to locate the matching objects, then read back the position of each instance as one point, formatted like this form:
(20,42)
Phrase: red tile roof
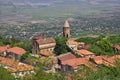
(46,53)
(42,41)
(98,59)
(76,62)
(109,61)
(4,48)
(16,50)
(84,52)
(21,67)
(14,66)
(106,60)
(66,56)
(116,57)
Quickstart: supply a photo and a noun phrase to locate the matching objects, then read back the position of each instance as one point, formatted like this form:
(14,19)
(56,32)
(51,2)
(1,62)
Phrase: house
(17,69)
(85,53)
(3,50)
(73,64)
(109,61)
(105,60)
(64,57)
(15,53)
(41,44)
(98,60)
(75,45)
(116,48)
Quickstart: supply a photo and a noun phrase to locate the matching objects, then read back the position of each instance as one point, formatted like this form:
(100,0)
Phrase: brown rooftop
(4,48)
(99,59)
(21,67)
(110,60)
(84,52)
(14,66)
(42,41)
(16,50)
(67,56)
(106,60)
(76,62)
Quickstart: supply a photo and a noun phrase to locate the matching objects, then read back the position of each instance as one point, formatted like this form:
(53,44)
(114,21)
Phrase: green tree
(24,56)
(5,75)
(60,45)
(106,73)
(105,45)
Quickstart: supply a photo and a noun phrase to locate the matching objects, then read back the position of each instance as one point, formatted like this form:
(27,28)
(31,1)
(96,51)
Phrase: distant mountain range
(38,2)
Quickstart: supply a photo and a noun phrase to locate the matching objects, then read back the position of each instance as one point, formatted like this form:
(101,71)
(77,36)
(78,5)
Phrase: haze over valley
(26,18)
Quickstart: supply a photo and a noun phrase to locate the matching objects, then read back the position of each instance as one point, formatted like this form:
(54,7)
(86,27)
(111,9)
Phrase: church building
(66,30)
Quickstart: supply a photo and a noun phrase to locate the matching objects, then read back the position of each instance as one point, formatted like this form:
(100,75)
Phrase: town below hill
(86,58)
(35,45)
(24,19)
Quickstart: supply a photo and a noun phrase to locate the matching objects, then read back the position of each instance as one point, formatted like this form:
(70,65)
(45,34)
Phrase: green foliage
(8,41)
(101,45)
(40,74)
(105,45)
(106,73)
(24,56)
(60,45)
(5,75)
(26,44)
(89,40)
(114,39)
(96,49)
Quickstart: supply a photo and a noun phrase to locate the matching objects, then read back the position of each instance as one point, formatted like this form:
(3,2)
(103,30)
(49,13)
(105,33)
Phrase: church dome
(66,24)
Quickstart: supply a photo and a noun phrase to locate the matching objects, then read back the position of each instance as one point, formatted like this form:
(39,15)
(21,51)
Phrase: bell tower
(66,30)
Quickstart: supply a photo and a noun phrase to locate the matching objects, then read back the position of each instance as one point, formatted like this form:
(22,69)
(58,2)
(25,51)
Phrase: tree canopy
(60,45)
(5,75)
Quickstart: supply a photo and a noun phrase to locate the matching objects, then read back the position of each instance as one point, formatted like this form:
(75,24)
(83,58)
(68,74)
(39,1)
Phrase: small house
(85,53)
(15,53)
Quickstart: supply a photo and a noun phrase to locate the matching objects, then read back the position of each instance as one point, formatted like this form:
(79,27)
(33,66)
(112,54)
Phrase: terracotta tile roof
(84,52)
(46,53)
(106,60)
(42,41)
(116,57)
(71,42)
(21,67)
(76,62)
(98,59)
(8,62)
(109,61)
(66,56)
(4,48)
(14,66)
(16,50)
